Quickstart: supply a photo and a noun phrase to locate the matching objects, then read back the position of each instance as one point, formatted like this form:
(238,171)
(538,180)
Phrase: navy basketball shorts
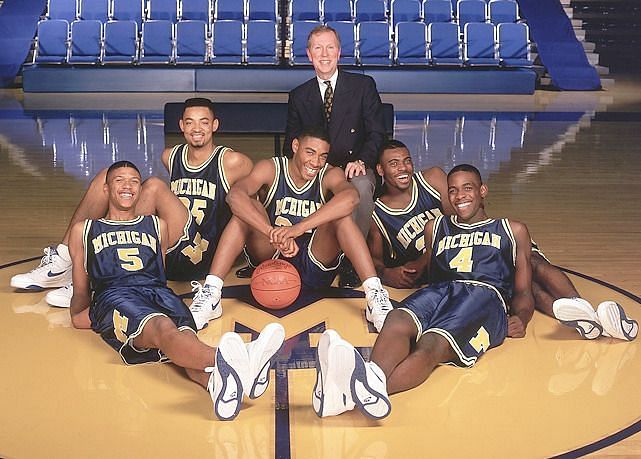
(470,315)
(119,315)
(536,249)
(313,273)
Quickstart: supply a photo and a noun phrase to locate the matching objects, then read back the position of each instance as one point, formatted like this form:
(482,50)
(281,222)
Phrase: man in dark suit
(350,106)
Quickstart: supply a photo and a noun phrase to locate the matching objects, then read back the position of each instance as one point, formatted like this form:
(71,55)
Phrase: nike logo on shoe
(52,274)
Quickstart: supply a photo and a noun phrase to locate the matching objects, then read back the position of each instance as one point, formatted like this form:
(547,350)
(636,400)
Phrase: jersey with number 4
(123,253)
(484,251)
(202,190)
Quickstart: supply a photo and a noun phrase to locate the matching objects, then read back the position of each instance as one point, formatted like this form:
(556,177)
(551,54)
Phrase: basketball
(275,284)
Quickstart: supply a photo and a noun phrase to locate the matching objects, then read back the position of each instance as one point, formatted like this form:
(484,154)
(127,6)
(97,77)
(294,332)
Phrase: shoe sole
(58,301)
(576,315)
(228,388)
(318,393)
(372,403)
(266,346)
(613,319)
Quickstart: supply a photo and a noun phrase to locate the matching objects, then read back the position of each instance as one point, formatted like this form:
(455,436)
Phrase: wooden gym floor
(574,178)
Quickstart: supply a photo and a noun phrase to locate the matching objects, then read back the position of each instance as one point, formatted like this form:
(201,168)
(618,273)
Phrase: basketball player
(396,243)
(479,293)
(303,214)
(194,207)
(120,291)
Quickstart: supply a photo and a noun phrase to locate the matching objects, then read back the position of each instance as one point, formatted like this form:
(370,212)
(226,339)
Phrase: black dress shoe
(246,272)
(347,278)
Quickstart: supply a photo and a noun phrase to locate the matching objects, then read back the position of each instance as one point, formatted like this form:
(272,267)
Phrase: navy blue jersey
(123,253)
(202,190)
(402,229)
(483,251)
(285,203)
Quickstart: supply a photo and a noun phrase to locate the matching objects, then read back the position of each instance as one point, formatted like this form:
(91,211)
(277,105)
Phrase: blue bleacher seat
(304,10)
(374,44)
(121,42)
(195,10)
(86,42)
(94,9)
(258,10)
(52,38)
(470,11)
(262,43)
(157,42)
(299,31)
(444,45)
(513,45)
(233,10)
(191,42)
(503,11)
(62,9)
(406,11)
(227,42)
(437,11)
(411,43)
(347,33)
(127,10)
(370,10)
(337,10)
(162,10)
(479,44)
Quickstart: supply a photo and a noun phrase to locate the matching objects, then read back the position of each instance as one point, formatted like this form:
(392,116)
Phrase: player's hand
(289,248)
(280,234)
(515,327)
(399,277)
(354,169)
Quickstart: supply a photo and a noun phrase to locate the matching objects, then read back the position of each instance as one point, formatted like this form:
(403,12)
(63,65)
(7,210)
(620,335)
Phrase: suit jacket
(356,128)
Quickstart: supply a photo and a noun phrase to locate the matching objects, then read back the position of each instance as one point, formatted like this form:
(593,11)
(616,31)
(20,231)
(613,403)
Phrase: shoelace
(48,258)
(381,298)
(202,293)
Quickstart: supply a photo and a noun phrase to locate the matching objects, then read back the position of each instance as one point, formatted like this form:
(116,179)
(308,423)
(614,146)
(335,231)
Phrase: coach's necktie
(327,100)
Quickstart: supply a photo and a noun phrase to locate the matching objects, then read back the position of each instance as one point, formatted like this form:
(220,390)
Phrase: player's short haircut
(199,102)
(465,168)
(390,144)
(318,132)
(118,165)
(320,29)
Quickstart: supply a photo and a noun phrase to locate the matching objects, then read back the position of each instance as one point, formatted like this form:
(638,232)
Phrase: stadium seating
(347,32)
(51,42)
(337,10)
(121,42)
(262,42)
(370,10)
(470,11)
(191,42)
(86,42)
(227,42)
(298,33)
(62,9)
(437,11)
(157,42)
(444,45)
(195,10)
(406,11)
(374,44)
(162,10)
(94,9)
(503,11)
(411,43)
(258,10)
(479,44)
(127,10)
(513,45)
(304,10)
(233,10)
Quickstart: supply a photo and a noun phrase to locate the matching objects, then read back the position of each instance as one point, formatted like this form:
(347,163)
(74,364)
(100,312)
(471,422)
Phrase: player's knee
(399,323)
(155,330)
(154,185)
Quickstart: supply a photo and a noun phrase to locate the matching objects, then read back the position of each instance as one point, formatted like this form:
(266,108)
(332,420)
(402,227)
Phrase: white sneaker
(261,351)
(378,306)
(615,323)
(52,272)
(327,398)
(369,388)
(225,384)
(205,305)
(60,297)
(579,314)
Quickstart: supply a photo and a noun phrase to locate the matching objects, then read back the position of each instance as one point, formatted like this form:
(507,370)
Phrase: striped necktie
(327,100)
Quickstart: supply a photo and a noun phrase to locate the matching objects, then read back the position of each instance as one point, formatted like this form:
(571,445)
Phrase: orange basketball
(275,284)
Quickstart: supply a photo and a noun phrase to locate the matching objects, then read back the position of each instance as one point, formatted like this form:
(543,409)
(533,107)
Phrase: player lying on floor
(303,213)
(120,291)
(410,199)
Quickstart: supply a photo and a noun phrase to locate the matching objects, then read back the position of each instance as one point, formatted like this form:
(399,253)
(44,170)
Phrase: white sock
(63,252)
(372,283)
(214,281)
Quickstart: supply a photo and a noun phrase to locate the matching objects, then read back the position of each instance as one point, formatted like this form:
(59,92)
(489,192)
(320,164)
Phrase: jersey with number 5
(483,251)
(123,253)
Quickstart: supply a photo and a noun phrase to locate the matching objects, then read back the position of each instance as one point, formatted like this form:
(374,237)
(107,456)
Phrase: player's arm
(399,276)
(436,177)
(427,234)
(242,196)
(522,305)
(165,158)
(164,239)
(375,245)
(236,166)
(81,298)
